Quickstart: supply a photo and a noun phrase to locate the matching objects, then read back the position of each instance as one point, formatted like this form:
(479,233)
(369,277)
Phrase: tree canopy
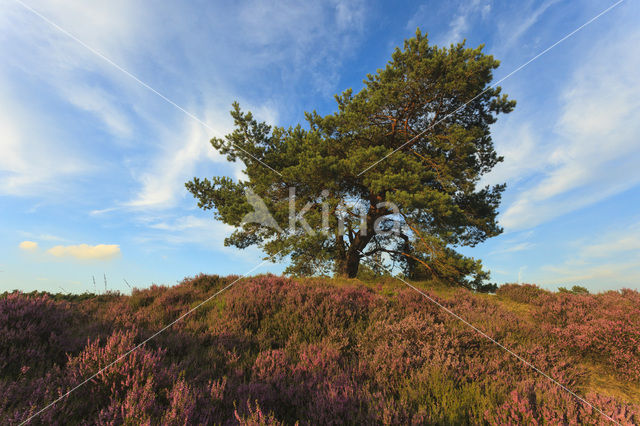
(427,116)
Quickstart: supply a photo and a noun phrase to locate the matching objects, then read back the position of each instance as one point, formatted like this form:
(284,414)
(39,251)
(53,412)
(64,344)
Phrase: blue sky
(93,164)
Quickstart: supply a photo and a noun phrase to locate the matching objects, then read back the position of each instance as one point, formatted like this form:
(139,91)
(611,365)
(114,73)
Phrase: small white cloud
(486,9)
(85,251)
(28,246)
(457,28)
(102,211)
(350,14)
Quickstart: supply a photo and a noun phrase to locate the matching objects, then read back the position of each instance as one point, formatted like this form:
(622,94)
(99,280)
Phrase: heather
(274,350)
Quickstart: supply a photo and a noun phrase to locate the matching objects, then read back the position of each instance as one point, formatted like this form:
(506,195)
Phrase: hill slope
(273,350)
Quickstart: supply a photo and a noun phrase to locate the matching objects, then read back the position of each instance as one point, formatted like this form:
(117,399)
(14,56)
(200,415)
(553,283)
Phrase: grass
(323,349)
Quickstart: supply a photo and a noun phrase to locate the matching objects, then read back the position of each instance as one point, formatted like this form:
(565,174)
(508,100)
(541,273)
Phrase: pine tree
(429,113)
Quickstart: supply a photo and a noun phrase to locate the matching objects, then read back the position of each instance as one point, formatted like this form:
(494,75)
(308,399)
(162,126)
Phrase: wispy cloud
(38,151)
(613,258)
(459,24)
(529,14)
(203,231)
(168,232)
(596,151)
(30,161)
(524,154)
(102,104)
(609,275)
(162,181)
(628,242)
(305,43)
(512,248)
(49,237)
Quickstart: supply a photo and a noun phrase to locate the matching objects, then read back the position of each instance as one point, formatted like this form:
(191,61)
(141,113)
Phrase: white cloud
(28,246)
(274,31)
(85,251)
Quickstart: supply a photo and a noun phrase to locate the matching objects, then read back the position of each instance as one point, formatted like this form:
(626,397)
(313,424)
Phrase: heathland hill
(272,350)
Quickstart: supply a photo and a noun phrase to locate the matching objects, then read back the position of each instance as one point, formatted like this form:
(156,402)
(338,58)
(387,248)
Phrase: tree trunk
(348,260)
(348,267)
